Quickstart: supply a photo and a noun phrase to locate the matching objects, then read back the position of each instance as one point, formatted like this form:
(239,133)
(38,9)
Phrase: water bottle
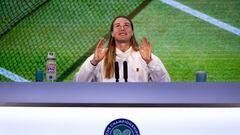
(201,76)
(51,67)
(39,75)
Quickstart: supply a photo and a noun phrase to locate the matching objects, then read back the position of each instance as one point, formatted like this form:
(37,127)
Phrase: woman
(105,63)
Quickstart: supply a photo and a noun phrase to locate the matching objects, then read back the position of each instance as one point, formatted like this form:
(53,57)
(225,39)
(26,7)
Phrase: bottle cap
(51,56)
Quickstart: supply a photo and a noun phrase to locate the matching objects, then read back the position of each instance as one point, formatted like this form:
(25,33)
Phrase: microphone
(116,71)
(125,71)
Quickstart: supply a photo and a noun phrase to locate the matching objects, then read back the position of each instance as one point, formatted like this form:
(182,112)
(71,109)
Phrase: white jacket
(138,69)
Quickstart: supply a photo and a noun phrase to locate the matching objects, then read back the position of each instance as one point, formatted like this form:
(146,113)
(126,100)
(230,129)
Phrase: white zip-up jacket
(138,69)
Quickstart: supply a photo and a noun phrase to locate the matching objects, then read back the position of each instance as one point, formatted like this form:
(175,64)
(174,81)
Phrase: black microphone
(125,71)
(116,71)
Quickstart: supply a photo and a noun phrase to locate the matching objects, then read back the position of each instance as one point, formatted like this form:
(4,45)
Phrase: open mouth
(122,34)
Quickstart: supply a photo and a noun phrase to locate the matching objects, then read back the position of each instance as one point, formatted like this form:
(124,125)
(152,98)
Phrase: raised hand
(146,50)
(99,53)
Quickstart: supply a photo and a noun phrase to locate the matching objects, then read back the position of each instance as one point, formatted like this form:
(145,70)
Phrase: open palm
(100,52)
(146,50)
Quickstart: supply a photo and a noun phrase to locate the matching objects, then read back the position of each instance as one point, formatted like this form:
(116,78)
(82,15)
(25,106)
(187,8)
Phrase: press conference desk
(120,94)
(88,108)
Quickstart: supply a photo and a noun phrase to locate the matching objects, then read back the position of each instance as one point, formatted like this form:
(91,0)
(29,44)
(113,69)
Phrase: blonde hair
(110,57)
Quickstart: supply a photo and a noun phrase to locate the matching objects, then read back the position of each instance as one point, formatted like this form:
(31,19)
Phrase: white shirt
(138,69)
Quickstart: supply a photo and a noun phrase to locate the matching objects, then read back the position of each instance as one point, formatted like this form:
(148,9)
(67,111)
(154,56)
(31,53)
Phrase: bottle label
(51,69)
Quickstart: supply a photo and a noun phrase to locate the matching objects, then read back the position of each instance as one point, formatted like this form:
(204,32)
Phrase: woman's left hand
(146,50)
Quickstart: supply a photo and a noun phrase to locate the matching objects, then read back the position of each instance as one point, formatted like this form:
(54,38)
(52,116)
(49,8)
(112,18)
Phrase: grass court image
(187,35)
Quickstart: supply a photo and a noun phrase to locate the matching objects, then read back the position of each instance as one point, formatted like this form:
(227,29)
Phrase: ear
(112,34)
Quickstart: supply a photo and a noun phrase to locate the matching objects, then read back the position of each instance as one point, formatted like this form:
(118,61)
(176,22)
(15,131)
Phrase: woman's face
(122,30)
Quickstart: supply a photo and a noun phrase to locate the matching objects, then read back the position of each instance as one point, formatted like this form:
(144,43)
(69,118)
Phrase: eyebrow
(119,23)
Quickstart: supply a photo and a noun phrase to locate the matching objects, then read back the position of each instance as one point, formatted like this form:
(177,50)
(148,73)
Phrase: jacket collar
(119,53)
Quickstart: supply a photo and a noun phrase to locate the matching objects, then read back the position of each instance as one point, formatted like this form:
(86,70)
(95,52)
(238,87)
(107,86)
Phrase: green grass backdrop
(184,43)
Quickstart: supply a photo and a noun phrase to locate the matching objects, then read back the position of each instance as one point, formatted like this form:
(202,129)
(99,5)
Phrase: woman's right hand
(99,53)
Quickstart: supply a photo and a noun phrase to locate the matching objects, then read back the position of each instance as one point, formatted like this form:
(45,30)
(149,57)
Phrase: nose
(121,27)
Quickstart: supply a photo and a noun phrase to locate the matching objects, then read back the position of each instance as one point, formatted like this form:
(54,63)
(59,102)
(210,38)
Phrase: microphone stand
(116,71)
(125,71)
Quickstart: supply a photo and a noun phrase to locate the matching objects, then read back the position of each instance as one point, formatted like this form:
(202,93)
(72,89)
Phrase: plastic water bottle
(51,69)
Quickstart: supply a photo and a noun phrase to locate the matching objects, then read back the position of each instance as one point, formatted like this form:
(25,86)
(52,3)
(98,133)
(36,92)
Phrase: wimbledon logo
(121,127)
